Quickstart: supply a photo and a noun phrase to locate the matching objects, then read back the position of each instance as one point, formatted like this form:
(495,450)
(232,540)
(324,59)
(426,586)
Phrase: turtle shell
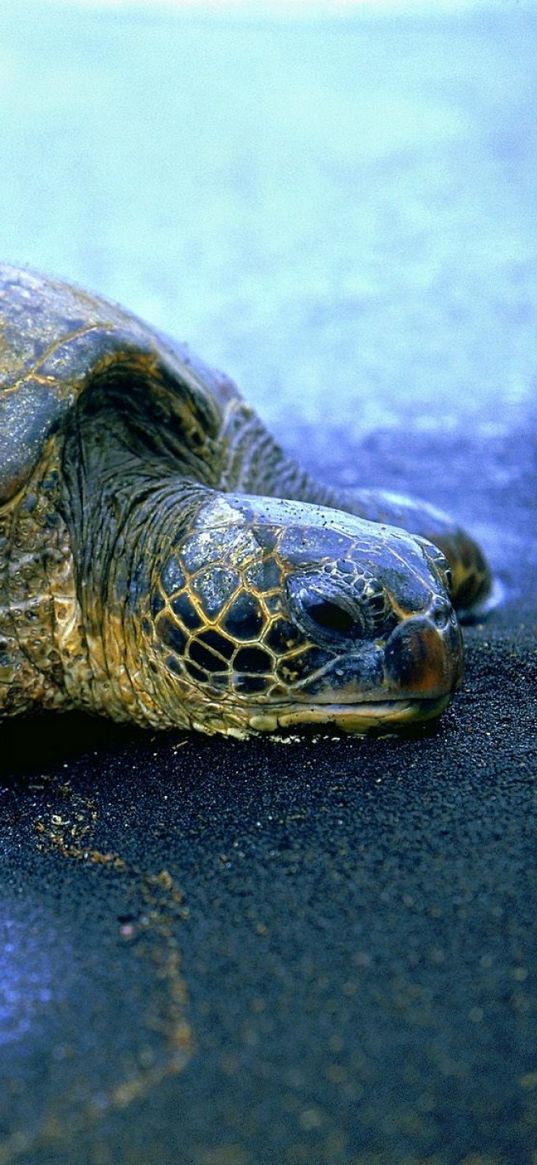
(59,344)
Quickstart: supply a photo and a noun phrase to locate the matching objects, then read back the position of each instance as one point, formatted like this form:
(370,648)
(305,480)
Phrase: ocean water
(340,209)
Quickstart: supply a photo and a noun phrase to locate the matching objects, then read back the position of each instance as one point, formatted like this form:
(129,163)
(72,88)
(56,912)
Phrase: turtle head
(271,613)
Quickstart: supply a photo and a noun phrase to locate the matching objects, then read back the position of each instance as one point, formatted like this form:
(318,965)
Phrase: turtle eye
(335,610)
(326,612)
(331,616)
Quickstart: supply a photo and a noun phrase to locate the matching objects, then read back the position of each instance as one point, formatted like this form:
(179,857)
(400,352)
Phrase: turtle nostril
(329,616)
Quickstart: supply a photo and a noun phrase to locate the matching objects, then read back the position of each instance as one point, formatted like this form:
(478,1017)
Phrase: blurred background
(312,195)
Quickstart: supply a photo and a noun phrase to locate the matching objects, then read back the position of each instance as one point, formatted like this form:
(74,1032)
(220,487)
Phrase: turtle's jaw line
(352,718)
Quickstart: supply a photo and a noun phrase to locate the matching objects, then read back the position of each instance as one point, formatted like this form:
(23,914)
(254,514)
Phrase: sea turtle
(163,561)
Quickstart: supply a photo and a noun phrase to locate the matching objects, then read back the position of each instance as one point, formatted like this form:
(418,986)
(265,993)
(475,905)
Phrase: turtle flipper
(471,579)
(256,463)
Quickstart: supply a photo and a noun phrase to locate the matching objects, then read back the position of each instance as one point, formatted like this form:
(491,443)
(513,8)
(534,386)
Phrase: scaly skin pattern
(162,561)
(41,639)
(279,616)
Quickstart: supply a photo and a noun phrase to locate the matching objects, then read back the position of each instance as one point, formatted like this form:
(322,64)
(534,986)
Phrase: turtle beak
(424,655)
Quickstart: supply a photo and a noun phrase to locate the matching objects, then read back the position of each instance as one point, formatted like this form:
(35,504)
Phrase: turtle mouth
(352,718)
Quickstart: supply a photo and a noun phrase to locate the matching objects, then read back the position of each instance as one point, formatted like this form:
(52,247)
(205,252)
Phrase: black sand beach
(319,951)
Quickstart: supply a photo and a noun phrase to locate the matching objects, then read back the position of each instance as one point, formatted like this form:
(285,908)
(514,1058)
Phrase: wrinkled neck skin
(121,511)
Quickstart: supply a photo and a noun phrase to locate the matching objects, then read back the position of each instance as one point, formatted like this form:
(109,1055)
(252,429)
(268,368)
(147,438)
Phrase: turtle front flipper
(256,463)
(470,578)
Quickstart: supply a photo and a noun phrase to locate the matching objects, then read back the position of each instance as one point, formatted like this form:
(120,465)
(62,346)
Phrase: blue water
(347,203)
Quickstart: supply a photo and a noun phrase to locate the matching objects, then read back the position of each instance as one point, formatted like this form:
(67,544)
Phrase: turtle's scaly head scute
(269,613)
